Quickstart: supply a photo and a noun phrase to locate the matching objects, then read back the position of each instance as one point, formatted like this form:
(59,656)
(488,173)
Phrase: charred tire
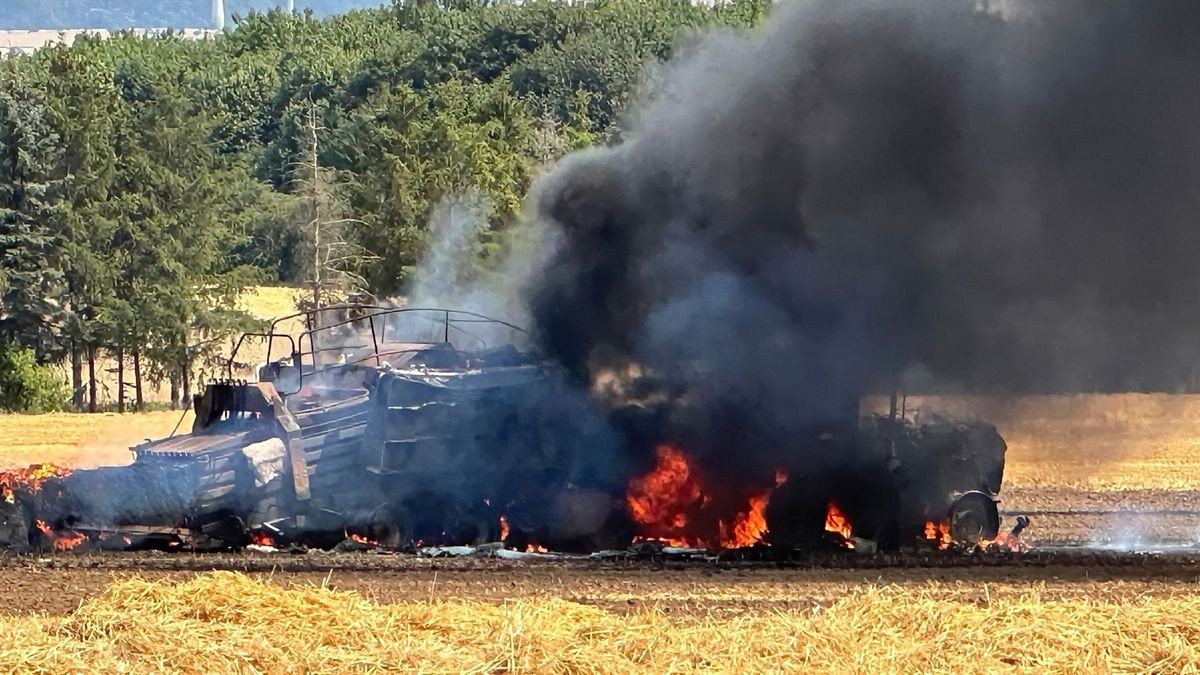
(487,530)
(974,518)
(391,526)
(470,530)
(518,539)
(226,530)
(617,534)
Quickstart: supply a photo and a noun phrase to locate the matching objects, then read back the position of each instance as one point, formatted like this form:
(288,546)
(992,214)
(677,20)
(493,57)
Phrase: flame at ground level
(668,501)
(939,533)
(360,539)
(750,526)
(838,523)
(62,541)
(260,538)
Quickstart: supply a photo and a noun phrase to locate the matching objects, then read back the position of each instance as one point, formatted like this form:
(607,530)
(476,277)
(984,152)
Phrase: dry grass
(269,302)
(80,440)
(225,622)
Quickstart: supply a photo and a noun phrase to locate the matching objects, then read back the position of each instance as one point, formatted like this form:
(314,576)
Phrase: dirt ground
(56,584)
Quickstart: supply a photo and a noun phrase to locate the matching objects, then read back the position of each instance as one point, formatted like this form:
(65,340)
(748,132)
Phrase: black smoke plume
(1003,198)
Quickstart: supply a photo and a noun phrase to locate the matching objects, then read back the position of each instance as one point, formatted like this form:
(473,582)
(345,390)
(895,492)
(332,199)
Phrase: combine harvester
(389,425)
(408,426)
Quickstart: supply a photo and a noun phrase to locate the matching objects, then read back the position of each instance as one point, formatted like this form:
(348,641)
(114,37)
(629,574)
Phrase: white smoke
(467,268)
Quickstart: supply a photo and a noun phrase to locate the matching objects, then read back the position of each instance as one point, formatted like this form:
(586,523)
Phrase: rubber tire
(974,517)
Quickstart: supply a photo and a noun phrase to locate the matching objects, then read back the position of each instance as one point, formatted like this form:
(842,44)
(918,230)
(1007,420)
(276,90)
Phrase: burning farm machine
(355,432)
(935,481)
(397,426)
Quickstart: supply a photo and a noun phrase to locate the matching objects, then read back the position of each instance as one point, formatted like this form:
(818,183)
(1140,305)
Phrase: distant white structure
(219,14)
(29,41)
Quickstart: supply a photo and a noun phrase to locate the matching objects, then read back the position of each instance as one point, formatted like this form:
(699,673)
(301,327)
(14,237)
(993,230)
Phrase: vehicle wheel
(471,530)
(974,518)
(486,531)
(391,526)
(225,531)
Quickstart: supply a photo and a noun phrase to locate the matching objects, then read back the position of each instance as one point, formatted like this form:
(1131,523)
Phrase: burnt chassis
(892,477)
(407,441)
(351,432)
(943,472)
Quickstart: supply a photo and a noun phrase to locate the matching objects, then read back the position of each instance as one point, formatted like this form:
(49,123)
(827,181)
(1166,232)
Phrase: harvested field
(81,440)
(672,587)
(227,622)
(1086,468)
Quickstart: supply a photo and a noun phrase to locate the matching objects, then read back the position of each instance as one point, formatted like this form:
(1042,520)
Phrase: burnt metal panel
(147,492)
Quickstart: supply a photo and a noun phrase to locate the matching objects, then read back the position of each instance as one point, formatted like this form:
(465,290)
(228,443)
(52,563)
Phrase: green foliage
(145,181)
(26,386)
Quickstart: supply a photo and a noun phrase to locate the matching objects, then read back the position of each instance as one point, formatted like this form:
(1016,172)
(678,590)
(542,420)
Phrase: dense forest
(145,182)
(122,14)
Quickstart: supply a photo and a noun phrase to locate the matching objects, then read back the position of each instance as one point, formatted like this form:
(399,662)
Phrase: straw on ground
(225,622)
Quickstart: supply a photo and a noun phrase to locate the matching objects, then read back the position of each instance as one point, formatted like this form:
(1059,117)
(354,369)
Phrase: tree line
(145,182)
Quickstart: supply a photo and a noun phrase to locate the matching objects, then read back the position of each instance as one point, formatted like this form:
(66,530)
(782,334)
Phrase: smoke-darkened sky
(860,191)
(866,188)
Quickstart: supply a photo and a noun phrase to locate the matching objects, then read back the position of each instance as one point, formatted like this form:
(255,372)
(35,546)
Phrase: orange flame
(536,548)
(30,478)
(360,539)
(838,523)
(1004,541)
(665,493)
(671,497)
(671,541)
(105,536)
(261,538)
(749,526)
(503,528)
(62,541)
(939,533)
